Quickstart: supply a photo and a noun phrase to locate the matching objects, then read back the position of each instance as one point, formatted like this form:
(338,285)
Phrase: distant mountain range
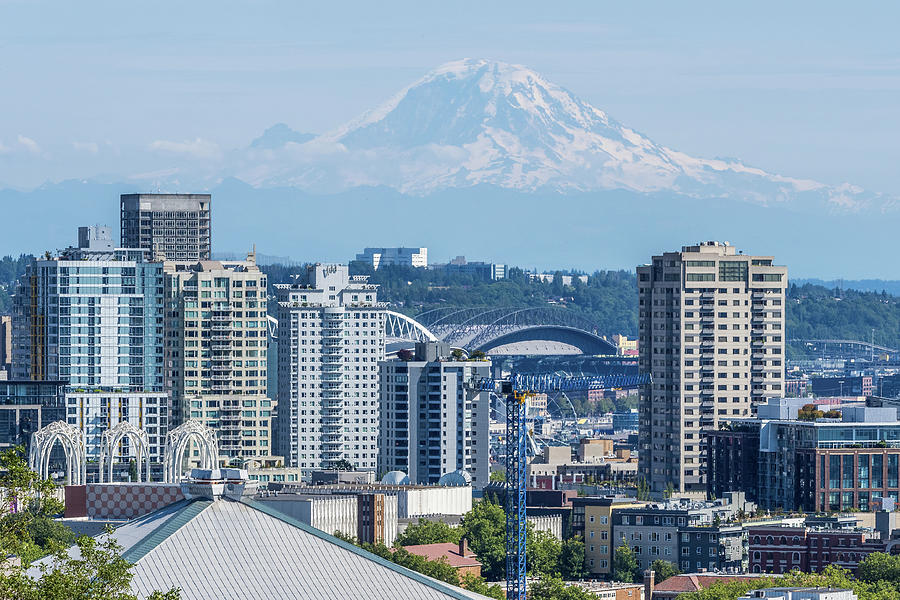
(486,159)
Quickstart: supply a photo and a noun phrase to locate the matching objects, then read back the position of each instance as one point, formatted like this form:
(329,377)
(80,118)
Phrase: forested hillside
(609,299)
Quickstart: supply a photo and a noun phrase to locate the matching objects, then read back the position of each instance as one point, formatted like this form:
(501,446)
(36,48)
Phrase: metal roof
(237,550)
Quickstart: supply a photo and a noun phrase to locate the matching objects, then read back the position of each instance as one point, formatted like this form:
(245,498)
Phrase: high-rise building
(431,424)
(216,352)
(379,257)
(711,330)
(171,226)
(92,317)
(330,341)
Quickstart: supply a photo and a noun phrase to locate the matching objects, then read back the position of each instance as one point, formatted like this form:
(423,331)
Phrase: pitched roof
(695,581)
(447,551)
(237,550)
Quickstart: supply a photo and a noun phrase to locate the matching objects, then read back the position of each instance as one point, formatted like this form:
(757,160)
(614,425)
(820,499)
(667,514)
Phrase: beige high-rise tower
(712,336)
(216,352)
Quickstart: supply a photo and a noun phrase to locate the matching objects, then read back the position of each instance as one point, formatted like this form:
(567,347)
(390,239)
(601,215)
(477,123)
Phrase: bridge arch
(401,327)
(587,342)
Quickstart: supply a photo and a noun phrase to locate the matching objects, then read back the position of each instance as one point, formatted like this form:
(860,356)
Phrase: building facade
(171,226)
(330,341)
(780,550)
(216,352)
(26,406)
(408,257)
(5,346)
(711,334)
(92,316)
(732,458)
(592,517)
(431,423)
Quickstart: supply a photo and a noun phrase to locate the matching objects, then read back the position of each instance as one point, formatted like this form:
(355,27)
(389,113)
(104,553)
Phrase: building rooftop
(236,549)
(446,551)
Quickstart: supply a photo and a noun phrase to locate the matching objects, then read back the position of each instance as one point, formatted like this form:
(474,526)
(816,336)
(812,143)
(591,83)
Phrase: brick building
(779,550)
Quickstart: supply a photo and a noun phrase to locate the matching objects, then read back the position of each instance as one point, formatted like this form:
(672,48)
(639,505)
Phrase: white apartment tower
(330,341)
(431,422)
(711,328)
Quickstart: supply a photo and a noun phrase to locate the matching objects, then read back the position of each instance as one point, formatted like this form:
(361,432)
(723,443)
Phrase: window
(733,270)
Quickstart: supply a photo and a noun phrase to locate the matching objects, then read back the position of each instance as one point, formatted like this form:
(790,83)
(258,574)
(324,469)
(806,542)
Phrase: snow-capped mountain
(472,122)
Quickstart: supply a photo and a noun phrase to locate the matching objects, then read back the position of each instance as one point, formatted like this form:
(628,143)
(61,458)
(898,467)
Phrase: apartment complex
(330,341)
(592,517)
(431,424)
(409,257)
(711,334)
(170,226)
(848,462)
(216,352)
(91,315)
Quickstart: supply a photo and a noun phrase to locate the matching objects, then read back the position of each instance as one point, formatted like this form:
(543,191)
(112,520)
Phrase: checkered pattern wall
(129,500)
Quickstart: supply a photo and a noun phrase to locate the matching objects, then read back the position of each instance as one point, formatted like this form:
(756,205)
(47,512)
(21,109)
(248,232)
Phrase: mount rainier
(478,122)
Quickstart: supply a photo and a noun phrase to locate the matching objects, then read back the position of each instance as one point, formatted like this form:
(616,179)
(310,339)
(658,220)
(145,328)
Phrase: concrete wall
(413,502)
(552,524)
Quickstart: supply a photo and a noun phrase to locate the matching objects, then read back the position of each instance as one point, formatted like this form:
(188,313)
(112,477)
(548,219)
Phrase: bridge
(838,348)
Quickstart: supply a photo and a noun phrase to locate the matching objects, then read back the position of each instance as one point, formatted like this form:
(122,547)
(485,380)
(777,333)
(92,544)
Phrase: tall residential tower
(431,423)
(170,226)
(712,337)
(216,347)
(330,341)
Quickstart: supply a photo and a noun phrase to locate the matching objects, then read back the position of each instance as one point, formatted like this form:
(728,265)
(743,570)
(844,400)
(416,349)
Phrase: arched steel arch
(400,326)
(587,342)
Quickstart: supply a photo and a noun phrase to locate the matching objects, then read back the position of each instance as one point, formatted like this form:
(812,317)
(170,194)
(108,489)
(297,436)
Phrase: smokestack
(649,580)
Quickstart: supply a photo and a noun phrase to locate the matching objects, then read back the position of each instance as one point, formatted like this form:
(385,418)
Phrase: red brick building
(780,550)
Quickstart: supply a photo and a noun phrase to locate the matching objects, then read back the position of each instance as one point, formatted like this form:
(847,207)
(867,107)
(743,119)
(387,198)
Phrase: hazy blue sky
(808,89)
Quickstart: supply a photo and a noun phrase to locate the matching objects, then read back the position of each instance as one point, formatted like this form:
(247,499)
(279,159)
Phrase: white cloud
(197,148)
(29,144)
(89,147)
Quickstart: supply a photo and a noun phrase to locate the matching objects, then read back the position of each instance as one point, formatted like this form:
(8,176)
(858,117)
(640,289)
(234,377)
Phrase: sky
(803,89)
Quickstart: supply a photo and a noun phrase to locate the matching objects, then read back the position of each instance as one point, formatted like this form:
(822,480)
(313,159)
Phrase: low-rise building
(800,594)
(457,556)
(592,518)
(779,550)
(370,518)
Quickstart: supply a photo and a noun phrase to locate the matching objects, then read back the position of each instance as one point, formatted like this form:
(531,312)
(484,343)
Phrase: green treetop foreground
(96,572)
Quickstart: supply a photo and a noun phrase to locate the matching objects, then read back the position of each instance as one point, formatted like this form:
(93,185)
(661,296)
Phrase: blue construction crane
(517,389)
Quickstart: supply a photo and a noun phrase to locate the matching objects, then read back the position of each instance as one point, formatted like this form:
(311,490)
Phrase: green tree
(643,490)
(542,553)
(554,588)
(625,565)
(485,528)
(571,559)
(478,585)
(498,476)
(132,470)
(344,465)
(663,569)
(457,354)
(879,566)
(429,532)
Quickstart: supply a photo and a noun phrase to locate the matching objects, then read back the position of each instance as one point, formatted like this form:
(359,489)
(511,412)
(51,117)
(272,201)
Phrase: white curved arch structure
(72,441)
(400,327)
(110,443)
(177,443)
